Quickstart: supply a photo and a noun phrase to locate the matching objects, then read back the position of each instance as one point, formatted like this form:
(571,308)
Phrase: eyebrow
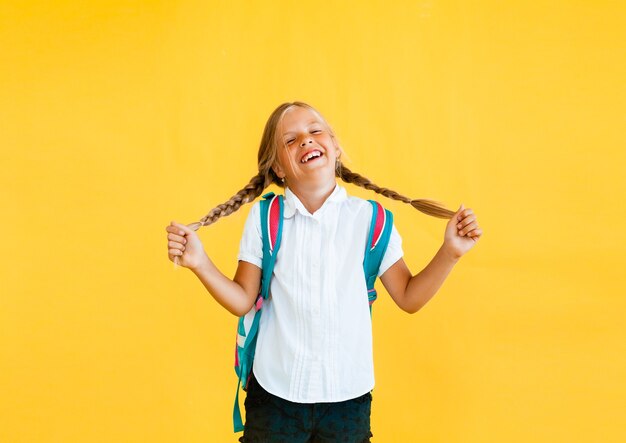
(309,123)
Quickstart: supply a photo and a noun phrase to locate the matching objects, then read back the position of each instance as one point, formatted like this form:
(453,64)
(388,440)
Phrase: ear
(278,170)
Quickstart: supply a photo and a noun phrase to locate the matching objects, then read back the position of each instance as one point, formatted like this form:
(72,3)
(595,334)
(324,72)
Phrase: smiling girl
(313,370)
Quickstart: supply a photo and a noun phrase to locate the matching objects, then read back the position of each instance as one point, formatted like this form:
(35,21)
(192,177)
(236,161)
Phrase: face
(307,152)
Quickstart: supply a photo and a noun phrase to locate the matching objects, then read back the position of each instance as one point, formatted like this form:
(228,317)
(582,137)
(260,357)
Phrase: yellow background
(120,116)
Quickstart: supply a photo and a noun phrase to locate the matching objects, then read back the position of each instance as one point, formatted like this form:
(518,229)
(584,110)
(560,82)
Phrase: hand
(462,232)
(184,246)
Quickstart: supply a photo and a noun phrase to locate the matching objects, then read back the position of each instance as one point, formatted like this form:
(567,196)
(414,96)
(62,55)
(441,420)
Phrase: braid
(429,207)
(249,192)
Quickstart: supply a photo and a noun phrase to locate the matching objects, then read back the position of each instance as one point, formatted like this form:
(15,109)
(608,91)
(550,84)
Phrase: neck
(313,197)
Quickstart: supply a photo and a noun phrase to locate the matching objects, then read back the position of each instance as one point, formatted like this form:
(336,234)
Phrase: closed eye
(312,132)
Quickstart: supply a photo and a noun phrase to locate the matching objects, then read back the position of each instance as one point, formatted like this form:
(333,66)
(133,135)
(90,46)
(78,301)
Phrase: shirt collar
(293,203)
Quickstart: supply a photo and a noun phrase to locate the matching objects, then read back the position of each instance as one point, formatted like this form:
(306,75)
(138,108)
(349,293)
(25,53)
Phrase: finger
(178,238)
(175,252)
(466,221)
(182,229)
(459,212)
(464,213)
(174,230)
(475,233)
(176,260)
(176,245)
(467,228)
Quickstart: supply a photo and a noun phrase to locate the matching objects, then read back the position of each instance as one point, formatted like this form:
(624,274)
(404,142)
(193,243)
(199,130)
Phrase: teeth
(310,156)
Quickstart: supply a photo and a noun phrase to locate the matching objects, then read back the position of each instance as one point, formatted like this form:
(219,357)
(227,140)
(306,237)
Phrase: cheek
(327,142)
(284,154)
(286,158)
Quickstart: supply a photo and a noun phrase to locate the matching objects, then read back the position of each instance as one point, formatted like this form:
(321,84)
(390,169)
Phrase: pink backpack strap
(379,227)
(273,219)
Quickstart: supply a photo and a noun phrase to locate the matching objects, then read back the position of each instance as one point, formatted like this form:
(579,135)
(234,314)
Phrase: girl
(313,368)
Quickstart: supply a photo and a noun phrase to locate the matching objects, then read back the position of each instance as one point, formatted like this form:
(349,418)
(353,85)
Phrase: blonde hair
(268,156)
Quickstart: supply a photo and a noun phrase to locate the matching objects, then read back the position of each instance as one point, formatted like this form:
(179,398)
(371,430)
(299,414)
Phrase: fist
(184,246)
(462,232)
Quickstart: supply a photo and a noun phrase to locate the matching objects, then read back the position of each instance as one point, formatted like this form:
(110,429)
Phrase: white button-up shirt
(315,334)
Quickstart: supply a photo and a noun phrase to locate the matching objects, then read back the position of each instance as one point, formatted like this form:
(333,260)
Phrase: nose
(306,140)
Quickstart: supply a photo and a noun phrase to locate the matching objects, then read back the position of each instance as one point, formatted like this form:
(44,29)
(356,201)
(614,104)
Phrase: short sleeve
(251,245)
(393,253)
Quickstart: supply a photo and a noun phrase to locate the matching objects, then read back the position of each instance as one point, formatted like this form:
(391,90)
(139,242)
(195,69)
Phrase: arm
(412,292)
(236,295)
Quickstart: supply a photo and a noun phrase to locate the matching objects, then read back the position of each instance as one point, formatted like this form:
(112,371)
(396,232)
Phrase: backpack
(272,207)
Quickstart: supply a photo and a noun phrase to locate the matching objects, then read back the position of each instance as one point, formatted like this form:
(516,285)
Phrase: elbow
(238,311)
(241,309)
(412,309)
(408,304)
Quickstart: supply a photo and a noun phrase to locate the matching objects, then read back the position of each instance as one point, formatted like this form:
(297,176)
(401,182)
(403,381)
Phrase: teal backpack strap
(272,229)
(272,208)
(377,241)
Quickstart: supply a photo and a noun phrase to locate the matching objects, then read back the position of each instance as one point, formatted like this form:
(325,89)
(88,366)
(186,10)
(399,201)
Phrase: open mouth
(311,156)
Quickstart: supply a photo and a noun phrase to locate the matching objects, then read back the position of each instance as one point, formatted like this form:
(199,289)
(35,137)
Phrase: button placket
(316,295)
